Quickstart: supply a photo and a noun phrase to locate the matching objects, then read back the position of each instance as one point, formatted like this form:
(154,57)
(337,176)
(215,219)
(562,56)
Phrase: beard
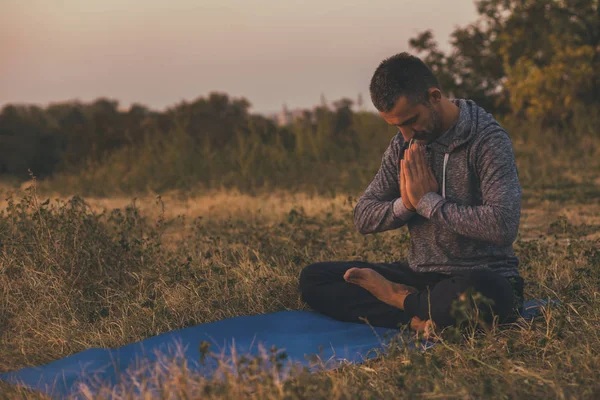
(434,127)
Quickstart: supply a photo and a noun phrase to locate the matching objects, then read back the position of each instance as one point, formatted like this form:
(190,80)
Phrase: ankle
(401,292)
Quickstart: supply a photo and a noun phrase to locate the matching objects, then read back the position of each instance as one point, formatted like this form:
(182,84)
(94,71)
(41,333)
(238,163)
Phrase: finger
(412,148)
(409,172)
(431,175)
(407,153)
(416,160)
(425,164)
(400,161)
(410,179)
(433,180)
(402,179)
(402,172)
(404,192)
(420,163)
(412,152)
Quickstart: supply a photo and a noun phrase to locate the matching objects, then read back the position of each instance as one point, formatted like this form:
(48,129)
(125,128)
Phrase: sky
(159,53)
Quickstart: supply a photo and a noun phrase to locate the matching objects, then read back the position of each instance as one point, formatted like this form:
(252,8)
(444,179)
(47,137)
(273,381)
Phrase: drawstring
(446,157)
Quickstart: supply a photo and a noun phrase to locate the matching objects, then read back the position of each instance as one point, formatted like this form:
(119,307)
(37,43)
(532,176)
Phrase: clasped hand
(416,177)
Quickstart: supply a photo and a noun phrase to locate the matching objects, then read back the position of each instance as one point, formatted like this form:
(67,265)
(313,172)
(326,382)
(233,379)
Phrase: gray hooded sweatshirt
(473,220)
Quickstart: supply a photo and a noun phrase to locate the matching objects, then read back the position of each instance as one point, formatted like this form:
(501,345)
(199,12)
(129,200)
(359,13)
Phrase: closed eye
(409,121)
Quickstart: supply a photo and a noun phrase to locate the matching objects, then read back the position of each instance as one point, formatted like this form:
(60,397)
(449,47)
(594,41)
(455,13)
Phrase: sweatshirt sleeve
(497,219)
(380,207)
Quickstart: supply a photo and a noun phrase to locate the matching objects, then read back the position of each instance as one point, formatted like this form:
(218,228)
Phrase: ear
(435,95)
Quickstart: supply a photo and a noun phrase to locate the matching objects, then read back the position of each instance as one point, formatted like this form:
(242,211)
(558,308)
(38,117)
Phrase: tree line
(522,60)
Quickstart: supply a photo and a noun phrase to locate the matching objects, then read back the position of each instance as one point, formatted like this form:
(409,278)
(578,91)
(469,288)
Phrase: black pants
(323,288)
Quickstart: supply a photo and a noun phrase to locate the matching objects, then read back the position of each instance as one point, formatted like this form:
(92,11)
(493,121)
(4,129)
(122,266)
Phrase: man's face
(421,122)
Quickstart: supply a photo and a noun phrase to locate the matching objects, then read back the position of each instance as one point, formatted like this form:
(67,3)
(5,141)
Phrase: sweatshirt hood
(472,121)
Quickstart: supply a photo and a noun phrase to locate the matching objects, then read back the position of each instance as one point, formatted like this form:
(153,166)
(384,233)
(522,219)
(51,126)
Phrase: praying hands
(416,177)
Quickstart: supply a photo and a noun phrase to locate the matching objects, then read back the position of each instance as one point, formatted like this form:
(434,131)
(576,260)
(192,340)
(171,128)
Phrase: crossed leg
(376,294)
(388,292)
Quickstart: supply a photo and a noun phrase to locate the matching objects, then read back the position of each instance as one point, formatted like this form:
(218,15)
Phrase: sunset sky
(161,52)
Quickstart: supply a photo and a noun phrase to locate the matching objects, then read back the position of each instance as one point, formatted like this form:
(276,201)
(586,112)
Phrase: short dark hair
(401,75)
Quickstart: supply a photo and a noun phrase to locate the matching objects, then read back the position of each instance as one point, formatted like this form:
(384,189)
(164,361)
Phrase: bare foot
(386,291)
(427,327)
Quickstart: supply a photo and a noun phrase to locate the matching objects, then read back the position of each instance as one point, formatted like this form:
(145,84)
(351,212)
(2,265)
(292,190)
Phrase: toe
(352,274)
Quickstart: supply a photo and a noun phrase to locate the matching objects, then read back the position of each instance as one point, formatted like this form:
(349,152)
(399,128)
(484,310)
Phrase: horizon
(159,54)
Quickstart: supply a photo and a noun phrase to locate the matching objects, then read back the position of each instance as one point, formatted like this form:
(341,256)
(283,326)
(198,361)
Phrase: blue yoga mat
(300,334)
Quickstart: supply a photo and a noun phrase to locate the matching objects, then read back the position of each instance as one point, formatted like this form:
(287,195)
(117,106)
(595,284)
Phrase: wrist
(400,210)
(408,206)
(429,203)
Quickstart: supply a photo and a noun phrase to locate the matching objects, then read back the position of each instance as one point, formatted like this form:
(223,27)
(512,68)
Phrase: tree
(538,58)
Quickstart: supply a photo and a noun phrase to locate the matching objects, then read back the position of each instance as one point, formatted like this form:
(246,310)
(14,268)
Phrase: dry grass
(75,275)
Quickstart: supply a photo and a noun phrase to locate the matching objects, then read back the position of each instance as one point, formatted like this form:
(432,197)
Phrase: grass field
(107,272)
(79,273)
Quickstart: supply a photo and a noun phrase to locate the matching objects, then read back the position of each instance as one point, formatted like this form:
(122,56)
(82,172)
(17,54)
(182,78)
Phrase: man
(449,174)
